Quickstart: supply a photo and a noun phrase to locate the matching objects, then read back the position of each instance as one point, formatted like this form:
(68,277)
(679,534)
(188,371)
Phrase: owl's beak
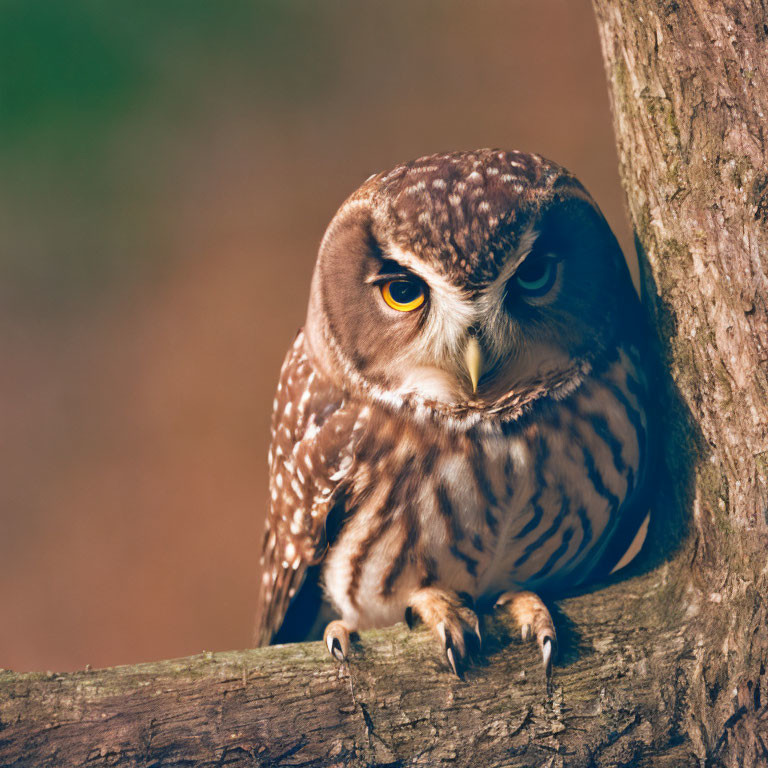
(473,357)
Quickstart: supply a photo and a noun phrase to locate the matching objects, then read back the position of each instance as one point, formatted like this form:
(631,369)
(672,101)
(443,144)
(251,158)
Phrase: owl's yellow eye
(403,295)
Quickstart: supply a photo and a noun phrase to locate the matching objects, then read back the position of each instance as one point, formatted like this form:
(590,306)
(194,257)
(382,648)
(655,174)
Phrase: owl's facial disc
(402,307)
(460,345)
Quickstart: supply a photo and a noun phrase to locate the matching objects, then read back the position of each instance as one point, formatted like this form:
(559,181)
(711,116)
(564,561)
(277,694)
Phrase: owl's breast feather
(489,510)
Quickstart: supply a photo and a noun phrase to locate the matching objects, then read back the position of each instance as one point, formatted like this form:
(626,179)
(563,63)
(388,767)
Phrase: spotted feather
(310,457)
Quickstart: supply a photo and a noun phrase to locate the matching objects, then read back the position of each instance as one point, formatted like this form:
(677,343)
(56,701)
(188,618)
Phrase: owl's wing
(314,432)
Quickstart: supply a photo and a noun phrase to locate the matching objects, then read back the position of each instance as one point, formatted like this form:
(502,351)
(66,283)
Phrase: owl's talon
(535,622)
(452,661)
(477,633)
(450,619)
(445,636)
(334,646)
(548,645)
(336,638)
(409,620)
(546,655)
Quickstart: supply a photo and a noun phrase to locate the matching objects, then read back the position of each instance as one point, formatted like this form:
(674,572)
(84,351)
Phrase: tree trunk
(688,83)
(666,667)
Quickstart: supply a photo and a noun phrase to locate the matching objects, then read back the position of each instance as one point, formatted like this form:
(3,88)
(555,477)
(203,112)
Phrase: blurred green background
(167,170)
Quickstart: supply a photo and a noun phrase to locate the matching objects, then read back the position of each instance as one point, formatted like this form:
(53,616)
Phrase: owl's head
(467,282)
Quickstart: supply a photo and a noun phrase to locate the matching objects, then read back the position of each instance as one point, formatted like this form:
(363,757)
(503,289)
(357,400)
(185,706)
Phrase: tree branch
(396,703)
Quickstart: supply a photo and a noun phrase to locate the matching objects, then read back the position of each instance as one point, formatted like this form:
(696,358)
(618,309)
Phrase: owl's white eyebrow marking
(490,301)
(524,247)
(435,280)
(453,311)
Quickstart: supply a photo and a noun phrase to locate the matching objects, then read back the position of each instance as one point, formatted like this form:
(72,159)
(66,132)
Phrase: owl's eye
(404,295)
(536,275)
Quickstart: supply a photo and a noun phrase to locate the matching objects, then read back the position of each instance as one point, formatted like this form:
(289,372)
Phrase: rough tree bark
(688,83)
(665,667)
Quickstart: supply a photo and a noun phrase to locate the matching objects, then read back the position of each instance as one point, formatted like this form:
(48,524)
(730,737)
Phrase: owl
(462,423)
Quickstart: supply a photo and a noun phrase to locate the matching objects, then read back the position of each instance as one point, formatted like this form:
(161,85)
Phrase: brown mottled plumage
(464,411)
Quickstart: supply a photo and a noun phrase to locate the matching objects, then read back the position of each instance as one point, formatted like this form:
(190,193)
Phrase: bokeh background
(167,169)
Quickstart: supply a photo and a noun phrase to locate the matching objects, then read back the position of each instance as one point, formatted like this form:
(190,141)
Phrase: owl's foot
(336,637)
(450,618)
(534,620)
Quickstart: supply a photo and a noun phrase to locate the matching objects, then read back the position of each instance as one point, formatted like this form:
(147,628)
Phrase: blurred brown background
(166,173)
